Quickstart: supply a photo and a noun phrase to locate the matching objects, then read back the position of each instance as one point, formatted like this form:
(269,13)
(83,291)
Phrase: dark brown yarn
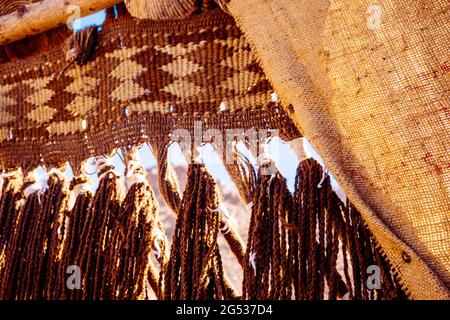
(95,240)
(131,243)
(325,228)
(167,182)
(292,252)
(14,266)
(9,211)
(8,204)
(265,254)
(194,270)
(234,241)
(76,219)
(168,186)
(57,196)
(40,254)
(243,175)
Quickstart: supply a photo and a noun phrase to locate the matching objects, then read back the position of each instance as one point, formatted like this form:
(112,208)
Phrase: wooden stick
(46,14)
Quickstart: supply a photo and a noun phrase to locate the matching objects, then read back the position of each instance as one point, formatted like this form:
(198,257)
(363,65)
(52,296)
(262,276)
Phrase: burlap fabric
(368,82)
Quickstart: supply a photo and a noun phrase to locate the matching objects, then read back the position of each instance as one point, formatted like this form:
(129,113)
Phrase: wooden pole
(46,14)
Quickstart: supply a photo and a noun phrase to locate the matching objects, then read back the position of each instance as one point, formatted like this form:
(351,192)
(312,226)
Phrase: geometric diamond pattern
(245,76)
(5,101)
(180,49)
(41,114)
(127,90)
(183,88)
(82,85)
(127,70)
(40,97)
(181,67)
(125,53)
(81,105)
(38,83)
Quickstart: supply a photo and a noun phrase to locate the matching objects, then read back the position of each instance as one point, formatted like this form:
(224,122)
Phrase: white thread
(31,189)
(249,206)
(159,236)
(77,189)
(47,175)
(52,171)
(101,163)
(225,228)
(132,176)
(157,248)
(324,175)
(228,217)
(252,261)
(34,187)
(263,159)
(229,220)
(298,147)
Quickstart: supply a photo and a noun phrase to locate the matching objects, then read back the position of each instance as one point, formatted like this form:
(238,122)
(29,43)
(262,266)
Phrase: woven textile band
(144,80)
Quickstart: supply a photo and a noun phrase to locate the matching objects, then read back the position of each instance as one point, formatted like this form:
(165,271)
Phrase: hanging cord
(75,222)
(96,236)
(194,270)
(9,211)
(266,267)
(53,212)
(136,233)
(241,172)
(28,208)
(167,182)
(169,189)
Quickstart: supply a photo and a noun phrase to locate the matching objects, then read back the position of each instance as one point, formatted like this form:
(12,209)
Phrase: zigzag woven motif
(144,80)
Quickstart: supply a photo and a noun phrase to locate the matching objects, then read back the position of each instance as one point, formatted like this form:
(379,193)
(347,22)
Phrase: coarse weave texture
(143,80)
(368,82)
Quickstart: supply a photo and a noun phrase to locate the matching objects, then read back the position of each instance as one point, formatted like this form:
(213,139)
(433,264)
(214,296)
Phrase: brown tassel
(96,236)
(321,228)
(40,254)
(365,252)
(9,203)
(194,270)
(265,266)
(48,234)
(315,219)
(136,231)
(9,197)
(168,186)
(14,264)
(76,218)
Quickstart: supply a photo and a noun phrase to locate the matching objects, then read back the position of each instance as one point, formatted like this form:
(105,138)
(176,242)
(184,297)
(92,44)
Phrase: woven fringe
(307,246)
(9,213)
(243,175)
(76,221)
(266,254)
(167,181)
(131,244)
(194,270)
